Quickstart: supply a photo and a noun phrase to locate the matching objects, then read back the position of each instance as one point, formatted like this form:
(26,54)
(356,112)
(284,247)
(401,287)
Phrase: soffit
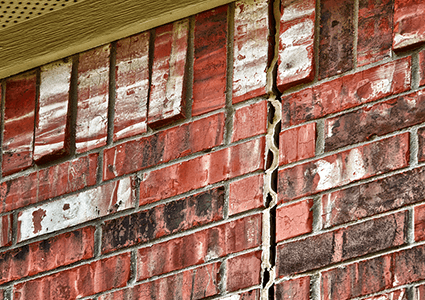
(33,33)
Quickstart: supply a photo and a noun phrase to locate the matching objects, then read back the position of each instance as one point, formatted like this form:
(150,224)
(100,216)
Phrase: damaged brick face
(257,150)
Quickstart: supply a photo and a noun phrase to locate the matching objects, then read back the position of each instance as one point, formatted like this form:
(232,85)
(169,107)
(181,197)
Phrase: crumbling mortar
(411,226)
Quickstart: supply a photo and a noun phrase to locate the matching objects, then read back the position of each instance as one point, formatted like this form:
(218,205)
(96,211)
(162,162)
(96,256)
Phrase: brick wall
(260,150)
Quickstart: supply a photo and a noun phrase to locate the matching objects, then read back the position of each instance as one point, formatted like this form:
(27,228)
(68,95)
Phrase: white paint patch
(76,209)
(234,297)
(55,79)
(294,61)
(131,130)
(298,34)
(355,166)
(294,12)
(41,150)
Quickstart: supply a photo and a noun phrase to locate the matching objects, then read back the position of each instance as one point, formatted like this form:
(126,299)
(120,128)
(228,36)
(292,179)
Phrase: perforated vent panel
(15,11)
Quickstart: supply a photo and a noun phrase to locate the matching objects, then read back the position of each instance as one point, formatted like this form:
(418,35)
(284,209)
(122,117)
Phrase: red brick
(93,89)
(347,92)
(420,223)
(202,171)
(47,183)
(422,68)
(298,289)
(373,198)
(2,294)
(210,63)
(421,140)
(420,292)
(336,37)
(50,130)
(200,247)
(375,34)
(379,119)
(342,244)
(344,167)
(293,220)
(250,49)
(357,279)
(297,144)
(409,265)
(132,86)
(249,121)
(46,255)
(164,146)
(243,271)
(81,281)
(19,109)
(192,284)
(246,194)
(296,53)
(163,220)
(6,230)
(167,94)
(395,295)
(409,28)
(76,209)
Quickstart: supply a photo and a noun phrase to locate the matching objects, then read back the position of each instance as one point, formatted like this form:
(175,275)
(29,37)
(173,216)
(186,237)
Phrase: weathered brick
(81,281)
(18,133)
(373,198)
(421,140)
(191,284)
(243,271)
(167,94)
(46,255)
(394,295)
(296,41)
(347,92)
(298,288)
(344,167)
(409,28)
(6,230)
(75,209)
(297,144)
(357,279)
(250,49)
(246,194)
(93,89)
(202,171)
(47,183)
(163,220)
(420,292)
(210,62)
(420,223)
(375,35)
(164,146)
(409,265)
(342,244)
(199,247)
(379,119)
(422,68)
(132,85)
(249,121)
(336,37)
(294,219)
(50,131)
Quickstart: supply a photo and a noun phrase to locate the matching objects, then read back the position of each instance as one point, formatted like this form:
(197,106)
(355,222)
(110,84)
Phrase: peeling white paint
(300,33)
(55,80)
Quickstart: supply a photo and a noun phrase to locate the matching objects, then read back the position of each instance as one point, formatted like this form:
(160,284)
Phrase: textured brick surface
(375,34)
(214,167)
(132,85)
(293,220)
(346,92)
(50,134)
(46,255)
(18,133)
(422,68)
(421,140)
(163,220)
(345,167)
(167,93)
(250,49)
(250,121)
(93,88)
(99,276)
(210,64)
(296,41)
(297,144)
(5,230)
(420,223)
(409,28)
(395,295)
(293,289)
(164,146)
(246,194)
(243,271)
(336,37)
